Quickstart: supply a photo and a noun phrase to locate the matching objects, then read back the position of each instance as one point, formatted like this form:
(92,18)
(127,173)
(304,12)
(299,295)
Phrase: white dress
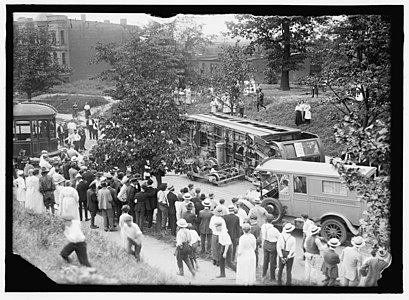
(69,202)
(21,189)
(34,199)
(188,96)
(246,260)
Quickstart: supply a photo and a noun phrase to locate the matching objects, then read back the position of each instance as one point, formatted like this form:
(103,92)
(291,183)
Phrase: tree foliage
(357,72)
(147,123)
(284,39)
(34,69)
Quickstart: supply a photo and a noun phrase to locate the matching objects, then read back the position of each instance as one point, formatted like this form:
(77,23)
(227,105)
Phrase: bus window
(289,149)
(310,148)
(284,184)
(300,184)
(334,188)
(269,184)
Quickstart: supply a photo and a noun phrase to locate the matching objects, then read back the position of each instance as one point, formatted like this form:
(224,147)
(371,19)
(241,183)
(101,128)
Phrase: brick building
(74,40)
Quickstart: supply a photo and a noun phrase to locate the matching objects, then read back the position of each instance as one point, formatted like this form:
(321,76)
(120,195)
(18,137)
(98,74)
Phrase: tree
(147,123)
(34,68)
(357,72)
(285,40)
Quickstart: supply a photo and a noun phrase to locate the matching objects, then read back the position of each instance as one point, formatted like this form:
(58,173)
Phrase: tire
(274,207)
(334,228)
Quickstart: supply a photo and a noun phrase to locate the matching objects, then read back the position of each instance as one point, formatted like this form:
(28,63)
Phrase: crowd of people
(302,113)
(234,238)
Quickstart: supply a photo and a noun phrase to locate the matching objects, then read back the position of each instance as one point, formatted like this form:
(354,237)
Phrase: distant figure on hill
(260,99)
(298,114)
(87,110)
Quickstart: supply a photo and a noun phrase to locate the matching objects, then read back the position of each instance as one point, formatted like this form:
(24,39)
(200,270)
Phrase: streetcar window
(23,131)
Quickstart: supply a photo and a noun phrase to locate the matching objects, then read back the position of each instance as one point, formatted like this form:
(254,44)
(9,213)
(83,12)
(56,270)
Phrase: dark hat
(202,196)
(189,206)
(190,185)
(234,199)
(104,184)
(44,170)
(305,216)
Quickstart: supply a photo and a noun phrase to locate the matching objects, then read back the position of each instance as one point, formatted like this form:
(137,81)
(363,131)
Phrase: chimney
(83,18)
(122,22)
(106,21)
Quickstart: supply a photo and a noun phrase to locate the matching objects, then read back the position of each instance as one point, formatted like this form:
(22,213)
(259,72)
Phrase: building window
(53,35)
(63,58)
(333,187)
(62,40)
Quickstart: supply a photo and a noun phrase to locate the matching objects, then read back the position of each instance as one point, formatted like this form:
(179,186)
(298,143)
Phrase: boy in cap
(286,252)
(351,260)
(205,232)
(47,188)
(330,264)
(132,236)
(76,239)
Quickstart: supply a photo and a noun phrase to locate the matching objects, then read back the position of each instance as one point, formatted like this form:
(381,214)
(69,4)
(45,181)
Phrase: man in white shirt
(76,239)
(133,235)
(286,252)
(215,233)
(71,126)
(223,207)
(74,139)
(306,232)
(269,238)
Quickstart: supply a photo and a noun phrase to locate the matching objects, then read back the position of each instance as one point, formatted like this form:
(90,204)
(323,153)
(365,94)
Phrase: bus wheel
(333,228)
(273,207)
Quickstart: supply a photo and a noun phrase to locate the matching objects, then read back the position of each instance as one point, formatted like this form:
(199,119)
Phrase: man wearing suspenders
(286,252)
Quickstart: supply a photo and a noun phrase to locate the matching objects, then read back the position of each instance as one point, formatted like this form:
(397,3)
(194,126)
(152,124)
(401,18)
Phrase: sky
(212,24)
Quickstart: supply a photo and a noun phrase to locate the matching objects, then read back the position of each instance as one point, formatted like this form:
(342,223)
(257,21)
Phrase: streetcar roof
(31,109)
(244,125)
(308,168)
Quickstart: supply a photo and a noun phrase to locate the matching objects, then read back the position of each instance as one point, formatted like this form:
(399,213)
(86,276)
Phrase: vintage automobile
(291,188)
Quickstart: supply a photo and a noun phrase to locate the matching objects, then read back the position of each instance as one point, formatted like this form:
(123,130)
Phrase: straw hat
(218,211)
(334,242)
(288,227)
(20,172)
(315,230)
(187,196)
(357,241)
(231,208)
(382,253)
(246,226)
(182,223)
(206,203)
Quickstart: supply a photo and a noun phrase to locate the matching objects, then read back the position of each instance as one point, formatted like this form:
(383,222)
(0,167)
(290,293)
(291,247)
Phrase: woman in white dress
(69,201)
(31,187)
(38,202)
(188,92)
(246,258)
(21,187)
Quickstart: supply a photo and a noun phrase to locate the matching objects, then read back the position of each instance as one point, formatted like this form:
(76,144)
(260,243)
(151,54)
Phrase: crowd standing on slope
(71,187)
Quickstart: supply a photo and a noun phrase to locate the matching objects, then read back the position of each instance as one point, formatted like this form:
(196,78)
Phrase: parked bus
(291,188)
(245,143)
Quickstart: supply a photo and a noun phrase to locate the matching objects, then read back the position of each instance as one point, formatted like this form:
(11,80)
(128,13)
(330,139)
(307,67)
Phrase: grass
(63,104)
(39,239)
(88,87)
(280,110)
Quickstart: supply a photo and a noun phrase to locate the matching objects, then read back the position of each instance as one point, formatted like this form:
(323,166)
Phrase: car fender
(347,222)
